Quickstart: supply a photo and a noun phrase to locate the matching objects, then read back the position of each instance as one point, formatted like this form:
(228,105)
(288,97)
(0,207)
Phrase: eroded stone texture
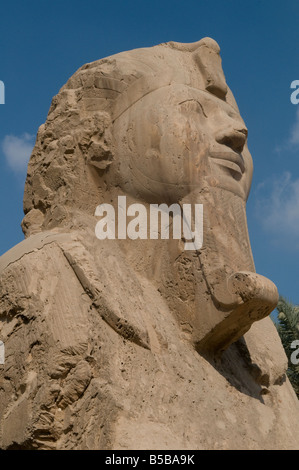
(140,344)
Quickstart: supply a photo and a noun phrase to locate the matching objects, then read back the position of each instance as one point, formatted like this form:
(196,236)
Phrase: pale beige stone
(140,344)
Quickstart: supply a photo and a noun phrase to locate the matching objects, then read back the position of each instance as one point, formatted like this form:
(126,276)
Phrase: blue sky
(44,42)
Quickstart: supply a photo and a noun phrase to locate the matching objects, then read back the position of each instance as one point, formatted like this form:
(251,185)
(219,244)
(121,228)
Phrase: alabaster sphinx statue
(139,343)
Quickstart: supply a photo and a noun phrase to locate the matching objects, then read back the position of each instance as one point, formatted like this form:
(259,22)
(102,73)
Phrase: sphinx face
(183,144)
(178,139)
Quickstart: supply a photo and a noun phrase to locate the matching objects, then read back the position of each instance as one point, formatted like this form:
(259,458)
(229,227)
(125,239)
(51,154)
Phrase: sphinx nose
(235,138)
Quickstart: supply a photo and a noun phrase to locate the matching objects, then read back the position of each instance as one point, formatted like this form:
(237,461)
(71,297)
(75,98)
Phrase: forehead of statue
(177,96)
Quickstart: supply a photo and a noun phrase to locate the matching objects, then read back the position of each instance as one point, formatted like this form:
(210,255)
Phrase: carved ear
(96,140)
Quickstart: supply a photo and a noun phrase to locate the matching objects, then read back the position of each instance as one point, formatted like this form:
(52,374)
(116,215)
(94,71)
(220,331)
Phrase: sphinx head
(182,130)
(157,122)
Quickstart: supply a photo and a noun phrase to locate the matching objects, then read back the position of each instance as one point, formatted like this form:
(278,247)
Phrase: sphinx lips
(232,160)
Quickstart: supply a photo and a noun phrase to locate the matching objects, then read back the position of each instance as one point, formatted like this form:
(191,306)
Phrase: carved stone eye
(192,105)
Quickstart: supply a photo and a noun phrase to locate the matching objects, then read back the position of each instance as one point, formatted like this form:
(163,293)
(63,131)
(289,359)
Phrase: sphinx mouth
(231,160)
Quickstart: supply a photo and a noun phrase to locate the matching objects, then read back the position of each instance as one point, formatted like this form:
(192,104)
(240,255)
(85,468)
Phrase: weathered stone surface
(141,344)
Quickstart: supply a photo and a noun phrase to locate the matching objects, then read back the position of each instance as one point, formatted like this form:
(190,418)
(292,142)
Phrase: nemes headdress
(77,133)
(117,82)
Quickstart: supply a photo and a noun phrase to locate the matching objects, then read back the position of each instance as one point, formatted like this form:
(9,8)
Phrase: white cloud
(277,205)
(17,151)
